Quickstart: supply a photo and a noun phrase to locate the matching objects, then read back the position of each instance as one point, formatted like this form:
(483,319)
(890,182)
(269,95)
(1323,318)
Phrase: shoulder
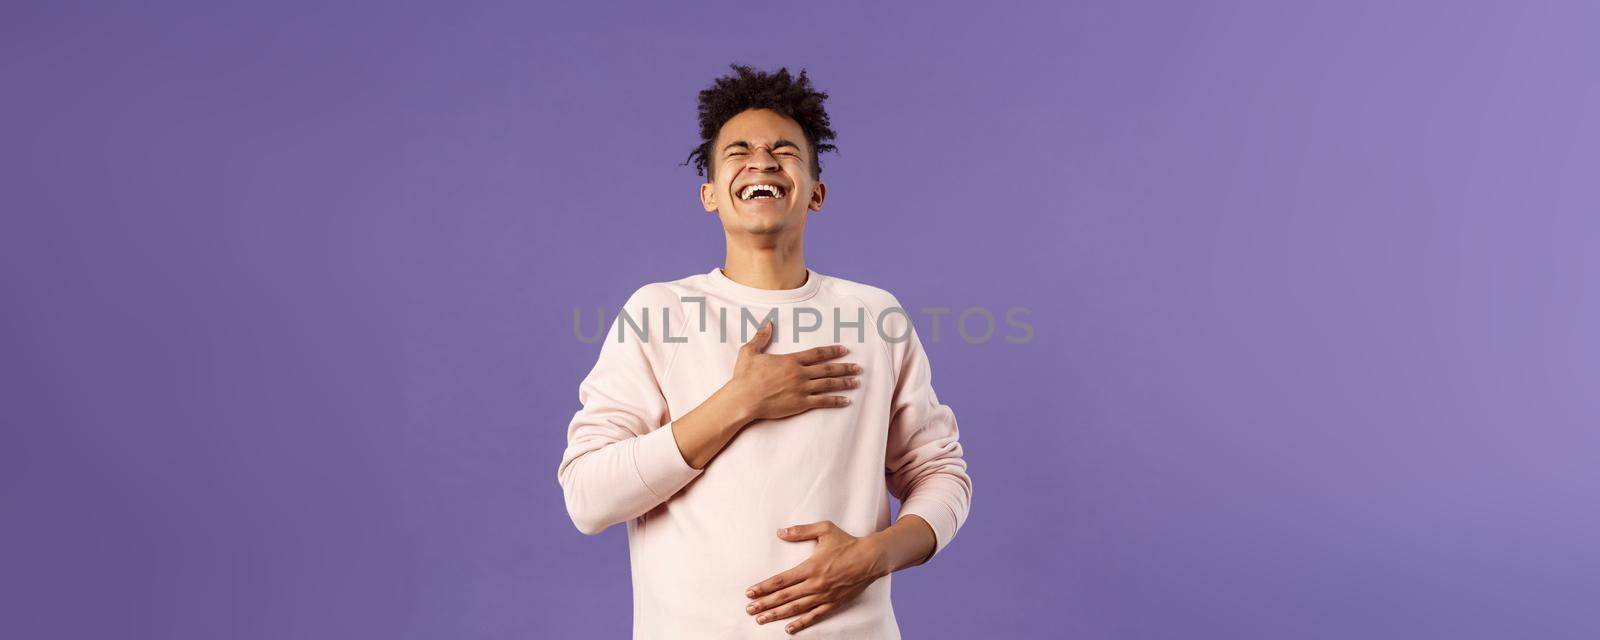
(876,299)
(892,319)
(652,312)
(666,293)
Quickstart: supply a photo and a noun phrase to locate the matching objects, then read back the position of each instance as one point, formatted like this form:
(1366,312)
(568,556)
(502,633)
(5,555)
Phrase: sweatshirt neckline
(745,292)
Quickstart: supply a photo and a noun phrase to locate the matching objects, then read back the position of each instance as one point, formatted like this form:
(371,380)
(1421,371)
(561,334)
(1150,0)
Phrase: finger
(806,531)
(790,610)
(760,340)
(818,354)
(809,618)
(824,402)
(832,370)
(831,384)
(783,596)
(778,582)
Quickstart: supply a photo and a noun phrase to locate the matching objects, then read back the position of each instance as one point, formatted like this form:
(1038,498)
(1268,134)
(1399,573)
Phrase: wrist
(882,547)
(733,406)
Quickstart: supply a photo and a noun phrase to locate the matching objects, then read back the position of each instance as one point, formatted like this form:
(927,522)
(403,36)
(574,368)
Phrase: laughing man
(749,423)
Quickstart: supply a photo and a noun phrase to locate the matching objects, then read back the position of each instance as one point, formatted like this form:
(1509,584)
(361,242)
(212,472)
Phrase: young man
(753,466)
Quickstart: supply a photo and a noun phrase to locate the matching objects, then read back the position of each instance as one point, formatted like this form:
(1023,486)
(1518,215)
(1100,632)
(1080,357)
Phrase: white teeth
(772,189)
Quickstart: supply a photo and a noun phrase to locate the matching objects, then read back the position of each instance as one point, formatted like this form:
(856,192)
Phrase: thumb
(759,342)
(805,531)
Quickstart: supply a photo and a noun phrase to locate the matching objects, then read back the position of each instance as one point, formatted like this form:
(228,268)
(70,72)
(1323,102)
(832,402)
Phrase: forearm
(906,543)
(605,483)
(607,480)
(704,431)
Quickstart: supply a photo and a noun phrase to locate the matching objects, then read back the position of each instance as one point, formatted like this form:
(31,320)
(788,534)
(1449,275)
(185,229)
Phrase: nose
(761,159)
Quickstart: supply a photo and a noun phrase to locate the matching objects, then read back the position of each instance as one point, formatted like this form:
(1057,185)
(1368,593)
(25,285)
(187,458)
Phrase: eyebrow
(781,142)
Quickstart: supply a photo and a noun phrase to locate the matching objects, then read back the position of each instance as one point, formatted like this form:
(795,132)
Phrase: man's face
(761,147)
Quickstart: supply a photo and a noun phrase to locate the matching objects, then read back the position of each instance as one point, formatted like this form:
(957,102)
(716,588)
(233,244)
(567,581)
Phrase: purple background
(287,346)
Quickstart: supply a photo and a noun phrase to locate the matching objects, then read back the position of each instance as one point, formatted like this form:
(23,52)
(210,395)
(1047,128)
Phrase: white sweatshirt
(698,538)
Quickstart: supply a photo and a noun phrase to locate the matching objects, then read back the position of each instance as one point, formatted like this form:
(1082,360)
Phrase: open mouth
(761,192)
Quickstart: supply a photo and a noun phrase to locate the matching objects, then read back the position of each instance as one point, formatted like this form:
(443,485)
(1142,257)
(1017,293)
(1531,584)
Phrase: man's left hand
(841,567)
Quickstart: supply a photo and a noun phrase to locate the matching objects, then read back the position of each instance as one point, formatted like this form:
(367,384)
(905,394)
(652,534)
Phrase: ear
(708,196)
(818,194)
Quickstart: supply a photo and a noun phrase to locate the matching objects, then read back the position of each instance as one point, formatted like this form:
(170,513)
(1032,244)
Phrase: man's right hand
(763,386)
(773,386)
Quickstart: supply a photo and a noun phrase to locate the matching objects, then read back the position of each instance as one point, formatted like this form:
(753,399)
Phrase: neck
(766,265)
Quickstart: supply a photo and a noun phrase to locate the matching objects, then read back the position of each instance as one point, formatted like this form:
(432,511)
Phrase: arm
(621,461)
(924,462)
(622,458)
(906,543)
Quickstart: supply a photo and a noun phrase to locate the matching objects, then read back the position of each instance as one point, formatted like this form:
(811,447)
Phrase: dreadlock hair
(746,89)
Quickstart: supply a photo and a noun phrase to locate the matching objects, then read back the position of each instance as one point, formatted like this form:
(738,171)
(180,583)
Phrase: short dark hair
(747,89)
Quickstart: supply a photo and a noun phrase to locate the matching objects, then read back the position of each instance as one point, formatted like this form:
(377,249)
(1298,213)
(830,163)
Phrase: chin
(764,229)
(754,226)
(761,220)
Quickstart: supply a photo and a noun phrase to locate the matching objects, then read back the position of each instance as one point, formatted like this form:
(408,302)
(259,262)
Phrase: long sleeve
(923,460)
(622,459)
